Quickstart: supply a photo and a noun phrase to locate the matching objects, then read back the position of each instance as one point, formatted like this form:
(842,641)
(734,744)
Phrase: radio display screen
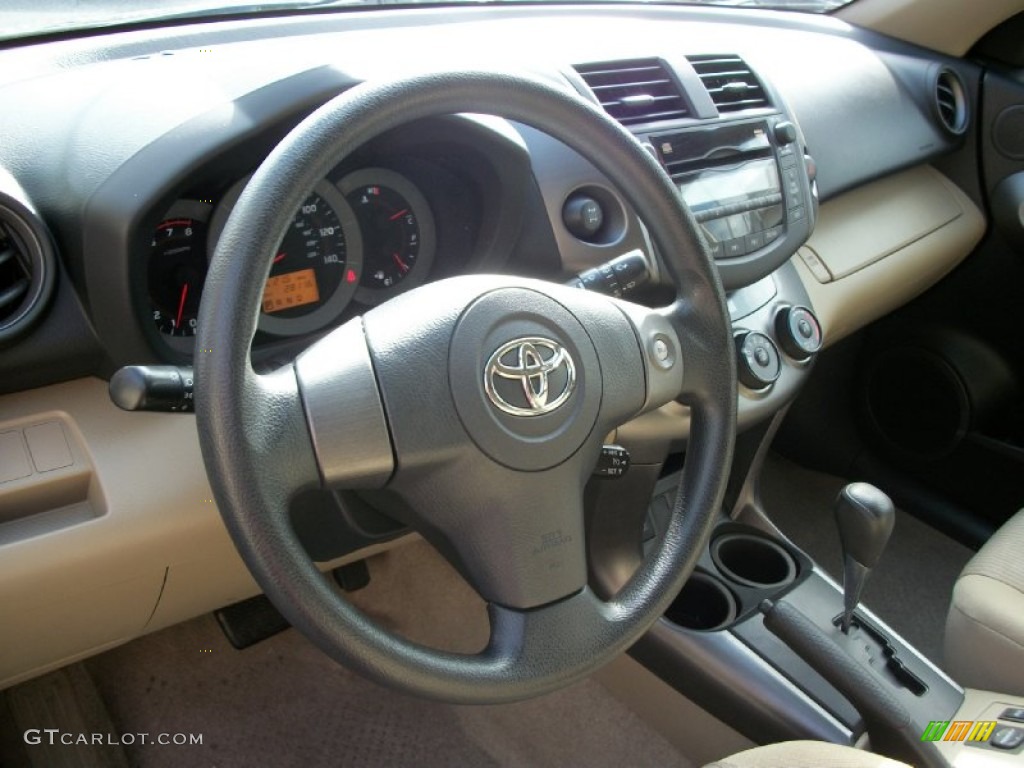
(714,188)
(711,193)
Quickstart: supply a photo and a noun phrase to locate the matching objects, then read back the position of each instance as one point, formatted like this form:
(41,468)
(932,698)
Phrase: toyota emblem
(530,376)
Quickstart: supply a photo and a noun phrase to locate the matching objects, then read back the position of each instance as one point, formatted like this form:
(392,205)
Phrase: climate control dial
(759,363)
(799,332)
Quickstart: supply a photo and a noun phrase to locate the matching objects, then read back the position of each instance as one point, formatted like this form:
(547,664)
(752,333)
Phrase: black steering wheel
(479,403)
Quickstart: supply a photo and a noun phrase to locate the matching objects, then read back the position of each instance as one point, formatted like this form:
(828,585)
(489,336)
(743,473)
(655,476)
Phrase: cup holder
(753,561)
(704,603)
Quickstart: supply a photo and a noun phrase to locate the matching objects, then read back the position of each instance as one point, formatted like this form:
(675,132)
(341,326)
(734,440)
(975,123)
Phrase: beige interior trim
(883,244)
(980,705)
(949,26)
(152,550)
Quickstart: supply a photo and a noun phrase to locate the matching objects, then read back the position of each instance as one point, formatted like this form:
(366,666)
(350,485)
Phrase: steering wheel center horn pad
(526,379)
(478,404)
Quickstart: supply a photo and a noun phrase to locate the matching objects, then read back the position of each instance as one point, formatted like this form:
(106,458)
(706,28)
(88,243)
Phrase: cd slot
(716,160)
(752,204)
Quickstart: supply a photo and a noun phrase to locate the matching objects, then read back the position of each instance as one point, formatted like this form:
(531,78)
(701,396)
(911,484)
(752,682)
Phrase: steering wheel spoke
(517,537)
(344,411)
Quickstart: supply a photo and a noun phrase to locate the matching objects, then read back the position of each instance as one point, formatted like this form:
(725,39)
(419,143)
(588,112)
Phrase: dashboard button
(583,216)
(772,233)
(796,213)
(735,247)
(785,132)
(1007,737)
(755,241)
(815,264)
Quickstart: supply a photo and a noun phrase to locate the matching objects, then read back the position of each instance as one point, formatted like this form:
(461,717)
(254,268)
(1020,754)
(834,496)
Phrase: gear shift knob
(865,517)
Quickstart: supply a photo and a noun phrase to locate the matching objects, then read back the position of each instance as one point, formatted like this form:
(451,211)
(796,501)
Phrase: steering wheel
(478,403)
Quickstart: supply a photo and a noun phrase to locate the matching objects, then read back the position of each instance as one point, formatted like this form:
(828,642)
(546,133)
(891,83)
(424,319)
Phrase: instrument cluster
(364,238)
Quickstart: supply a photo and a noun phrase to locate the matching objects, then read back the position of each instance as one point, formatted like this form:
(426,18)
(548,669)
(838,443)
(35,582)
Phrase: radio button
(785,132)
(772,234)
(754,241)
(796,214)
(735,247)
(792,181)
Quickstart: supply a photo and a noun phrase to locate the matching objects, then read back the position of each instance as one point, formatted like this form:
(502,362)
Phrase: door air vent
(732,85)
(26,268)
(635,91)
(951,101)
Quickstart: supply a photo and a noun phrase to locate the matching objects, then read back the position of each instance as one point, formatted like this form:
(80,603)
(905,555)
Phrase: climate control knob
(799,332)
(759,364)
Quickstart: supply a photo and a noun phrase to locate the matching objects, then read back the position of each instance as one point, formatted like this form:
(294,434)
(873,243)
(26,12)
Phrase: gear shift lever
(865,517)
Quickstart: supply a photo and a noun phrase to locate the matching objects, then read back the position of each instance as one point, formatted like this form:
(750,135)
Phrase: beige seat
(984,643)
(805,754)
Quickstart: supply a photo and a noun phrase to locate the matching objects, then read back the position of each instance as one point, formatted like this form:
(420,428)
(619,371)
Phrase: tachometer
(177,268)
(397,228)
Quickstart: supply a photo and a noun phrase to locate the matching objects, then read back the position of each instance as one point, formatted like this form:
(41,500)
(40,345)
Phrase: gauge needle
(181,305)
(279,257)
(401,264)
(397,216)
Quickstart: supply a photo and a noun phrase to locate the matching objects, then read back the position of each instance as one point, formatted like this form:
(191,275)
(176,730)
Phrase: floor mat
(283,703)
(913,583)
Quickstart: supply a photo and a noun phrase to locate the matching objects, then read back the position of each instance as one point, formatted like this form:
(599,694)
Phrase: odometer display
(292,289)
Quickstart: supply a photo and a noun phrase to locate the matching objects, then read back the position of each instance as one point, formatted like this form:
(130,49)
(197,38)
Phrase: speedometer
(316,267)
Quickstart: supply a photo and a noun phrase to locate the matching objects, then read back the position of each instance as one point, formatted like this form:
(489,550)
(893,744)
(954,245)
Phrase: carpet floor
(913,583)
(283,703)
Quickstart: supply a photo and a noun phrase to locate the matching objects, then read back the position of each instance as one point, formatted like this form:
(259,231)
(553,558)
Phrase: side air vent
(731,83)
(636,91)
(27,268)
(951,101)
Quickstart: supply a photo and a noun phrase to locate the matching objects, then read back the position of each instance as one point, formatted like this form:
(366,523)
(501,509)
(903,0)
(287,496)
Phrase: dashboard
(810,153)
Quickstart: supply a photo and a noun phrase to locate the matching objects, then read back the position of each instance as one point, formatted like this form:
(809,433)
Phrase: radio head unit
(746,184)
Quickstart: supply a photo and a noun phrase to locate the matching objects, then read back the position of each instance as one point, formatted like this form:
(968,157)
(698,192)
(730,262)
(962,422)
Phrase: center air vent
(636,91)
(731,84)
(951,101)
(26,268)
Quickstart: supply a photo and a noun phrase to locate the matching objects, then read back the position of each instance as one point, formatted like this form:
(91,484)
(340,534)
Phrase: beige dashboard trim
(949,26)
(155,553)
(885,243)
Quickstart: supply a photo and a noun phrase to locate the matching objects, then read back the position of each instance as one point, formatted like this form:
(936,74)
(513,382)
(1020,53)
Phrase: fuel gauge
(397,228)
